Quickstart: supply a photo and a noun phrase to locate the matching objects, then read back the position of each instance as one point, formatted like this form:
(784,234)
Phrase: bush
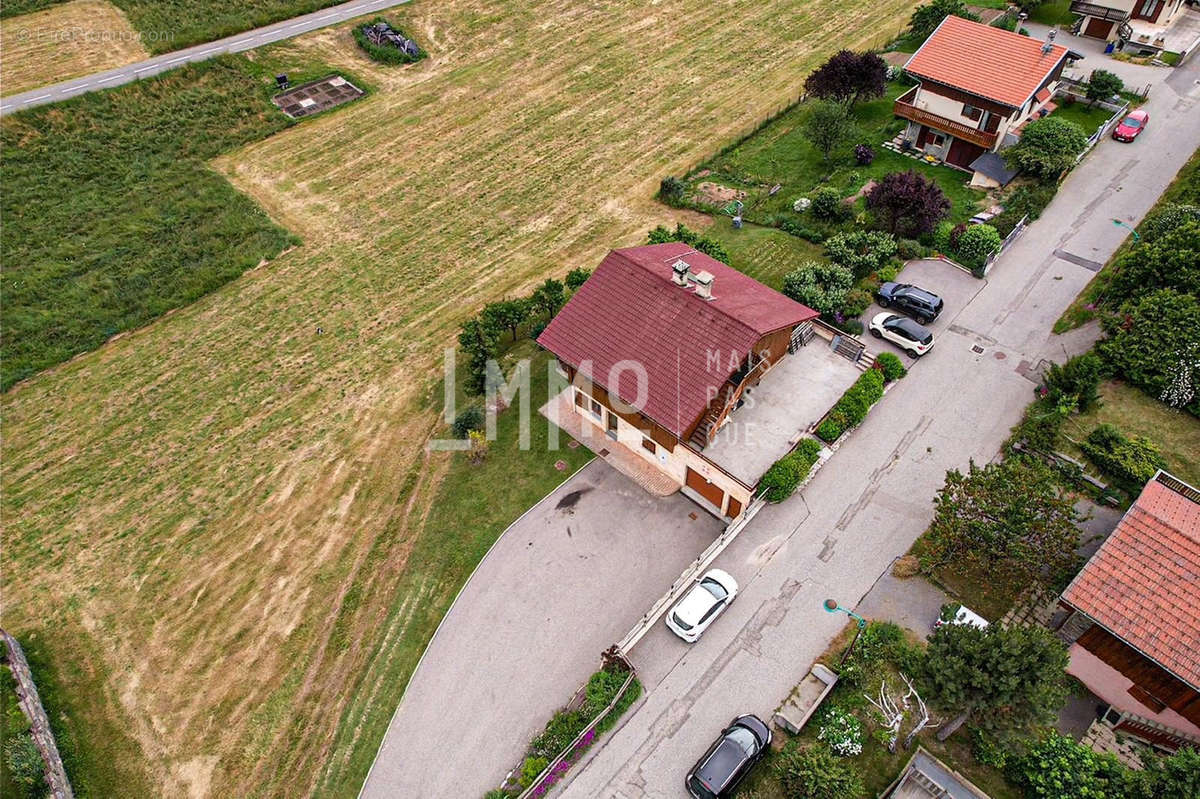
(880,642)
(1154,343)
(888,274)
(862,251)
(907,203)
(855,303)
(851,327)
(814,772)
(1131,462)
(385,54)
(1077,380)
(909,249)
(467,420)
(710,247)
(796,229)
(829,430)
(842,730)
(1048,147)
(863,154)
(821,286)
(577,277)
(891,366)
(25,765)
(976,244)
(1167,219)
(1030,199)
(1058,767)
(941,237)
(789,471)
(531,768)
(827,203)
(671,190)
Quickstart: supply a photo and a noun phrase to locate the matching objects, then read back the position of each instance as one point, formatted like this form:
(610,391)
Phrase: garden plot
(317,96)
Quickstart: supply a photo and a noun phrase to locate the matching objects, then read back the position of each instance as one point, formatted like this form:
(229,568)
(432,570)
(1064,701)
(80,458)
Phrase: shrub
(852,327)
(956,233)
(1131,462)
(385,54)
(815,773)
(1078,379)
(863,154)
(880,642)
(530,769)
(855,303)
(842,730)
(794,228)
(1058,767)
(25,765)
(941,237)
(909,249)
(1154,343)
(1167,219)
(467,420)
(891,366)
(1030,199)
(863,251)
(853,406)
(988,749)
(1048,147)
(789,471)
(671,189)
(976,244)
(829,431)
(821,286)
(888,274)
(827,203)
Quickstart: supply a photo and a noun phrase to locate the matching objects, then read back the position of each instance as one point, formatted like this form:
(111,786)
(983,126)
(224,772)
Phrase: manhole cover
(604,453)
(978,350)
(999,356)
(572,444)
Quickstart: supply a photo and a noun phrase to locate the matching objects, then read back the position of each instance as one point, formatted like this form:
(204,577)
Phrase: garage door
(704,488)
(1098,28)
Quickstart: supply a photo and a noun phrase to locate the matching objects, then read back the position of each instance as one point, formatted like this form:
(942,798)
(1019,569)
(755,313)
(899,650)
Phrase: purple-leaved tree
(848,77)
(907,204)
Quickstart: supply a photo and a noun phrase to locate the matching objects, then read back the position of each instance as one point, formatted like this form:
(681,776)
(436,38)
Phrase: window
(649,446)
(935,139)
(1148,9)
(580,399)
(971,112)
(596,408)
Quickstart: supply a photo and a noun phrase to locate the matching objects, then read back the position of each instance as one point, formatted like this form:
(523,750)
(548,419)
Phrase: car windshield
(683,625)
(716,589)
(1132,122)
(744,739)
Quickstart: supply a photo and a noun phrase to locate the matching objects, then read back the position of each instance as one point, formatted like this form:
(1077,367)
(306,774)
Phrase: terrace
(905,109)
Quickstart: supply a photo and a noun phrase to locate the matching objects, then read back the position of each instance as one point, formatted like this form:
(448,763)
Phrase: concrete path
(564,582)
(201,52)
(873,499)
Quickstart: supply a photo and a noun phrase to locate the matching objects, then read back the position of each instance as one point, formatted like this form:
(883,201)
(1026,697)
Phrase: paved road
(874,497)
(201,52)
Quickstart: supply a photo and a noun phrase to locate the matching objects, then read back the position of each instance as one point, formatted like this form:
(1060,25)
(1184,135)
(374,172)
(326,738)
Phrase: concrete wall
(1113,687)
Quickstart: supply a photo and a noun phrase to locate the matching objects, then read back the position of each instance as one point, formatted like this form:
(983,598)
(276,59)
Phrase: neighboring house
(926,777)
(700,332)
(978,86)
(1133,620)
(1137,26)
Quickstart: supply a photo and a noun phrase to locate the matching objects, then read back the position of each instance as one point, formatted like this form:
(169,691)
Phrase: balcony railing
(906,110)
(1100,12)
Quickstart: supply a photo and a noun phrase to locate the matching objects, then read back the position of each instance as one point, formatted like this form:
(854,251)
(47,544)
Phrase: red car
(1131,126)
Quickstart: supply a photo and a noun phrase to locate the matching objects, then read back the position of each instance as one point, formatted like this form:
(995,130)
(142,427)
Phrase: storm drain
(978,350)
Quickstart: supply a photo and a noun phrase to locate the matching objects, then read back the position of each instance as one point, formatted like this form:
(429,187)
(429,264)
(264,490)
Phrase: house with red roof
(1133,618)
(693,367)
(977,86)
(1137,27)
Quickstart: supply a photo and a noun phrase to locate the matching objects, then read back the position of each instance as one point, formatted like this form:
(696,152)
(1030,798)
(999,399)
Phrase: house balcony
(906,110)
(1099,12)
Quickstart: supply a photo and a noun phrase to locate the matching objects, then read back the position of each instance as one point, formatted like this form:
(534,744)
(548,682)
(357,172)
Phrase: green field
(1089,118)
(1053,12)
(764,253)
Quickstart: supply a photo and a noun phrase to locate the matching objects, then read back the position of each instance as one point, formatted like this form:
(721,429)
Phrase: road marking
(143,69)
(327,16)
(176,60)
(106,80)
(72,88)
(297,25)
(39,97)
(206,52)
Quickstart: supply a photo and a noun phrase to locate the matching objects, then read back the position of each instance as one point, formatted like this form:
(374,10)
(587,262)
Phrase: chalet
(977,86)
(1136,26)
(1133,618)
(662,344)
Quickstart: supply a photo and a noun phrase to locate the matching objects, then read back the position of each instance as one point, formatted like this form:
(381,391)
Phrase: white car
(691,616)
(903,332)
(964,615)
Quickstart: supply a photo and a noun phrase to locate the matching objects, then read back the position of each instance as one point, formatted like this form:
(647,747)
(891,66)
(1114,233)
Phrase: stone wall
(31,705)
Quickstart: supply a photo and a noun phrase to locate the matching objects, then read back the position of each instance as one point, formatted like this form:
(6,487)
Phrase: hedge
(385,54)
(853,406)
(789,471)
(890,365)
(1130,462)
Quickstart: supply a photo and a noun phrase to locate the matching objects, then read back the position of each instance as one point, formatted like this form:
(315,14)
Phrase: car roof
(694,604)
(909,326)
(916,291)
(717,769)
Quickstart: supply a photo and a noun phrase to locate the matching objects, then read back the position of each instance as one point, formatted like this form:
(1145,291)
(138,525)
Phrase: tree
(479,342)
(1004,679)
(1048,147)
(862,251)
(848,77)
(819,285)
(1103,85)
(827,125)
(710,247)
(577,277)
(548,297)
(1171,259)
(1008,517)
(813,772)
(930,15)
(506,315)
(907,204)
(1149,341)
(976,243)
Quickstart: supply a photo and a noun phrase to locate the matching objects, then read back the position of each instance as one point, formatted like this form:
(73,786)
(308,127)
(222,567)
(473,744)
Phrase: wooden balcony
(1099,11)
(906,110)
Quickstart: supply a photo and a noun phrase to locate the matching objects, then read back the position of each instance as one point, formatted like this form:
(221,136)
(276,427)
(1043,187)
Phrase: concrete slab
(794,395)
(955,286)
(913,603)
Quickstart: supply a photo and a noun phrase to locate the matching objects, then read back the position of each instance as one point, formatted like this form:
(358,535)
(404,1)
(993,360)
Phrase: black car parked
(729,759)
(922,305)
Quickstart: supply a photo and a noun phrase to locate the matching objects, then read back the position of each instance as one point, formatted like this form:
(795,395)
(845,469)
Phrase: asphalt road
(201,52)
(873,498)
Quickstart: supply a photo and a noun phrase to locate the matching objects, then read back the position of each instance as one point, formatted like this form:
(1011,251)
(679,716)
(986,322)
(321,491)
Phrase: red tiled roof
(1042,96)
(990,62)
(1143,584)
(630,310)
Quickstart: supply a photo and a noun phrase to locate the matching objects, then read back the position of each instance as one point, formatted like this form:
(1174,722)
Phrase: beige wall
(1113,687)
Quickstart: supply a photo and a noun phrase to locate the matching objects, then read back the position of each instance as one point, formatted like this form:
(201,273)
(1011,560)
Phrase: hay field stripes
(249,476)
(63,42)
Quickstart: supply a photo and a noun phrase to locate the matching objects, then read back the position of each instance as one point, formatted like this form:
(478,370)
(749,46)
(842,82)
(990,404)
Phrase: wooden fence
(31,706)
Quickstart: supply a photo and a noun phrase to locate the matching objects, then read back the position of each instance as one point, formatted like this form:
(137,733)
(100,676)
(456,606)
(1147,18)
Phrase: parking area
(955,286)
(562,584)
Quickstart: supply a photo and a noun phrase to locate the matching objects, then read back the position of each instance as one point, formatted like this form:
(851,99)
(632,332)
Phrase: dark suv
(918,303)
(729,759)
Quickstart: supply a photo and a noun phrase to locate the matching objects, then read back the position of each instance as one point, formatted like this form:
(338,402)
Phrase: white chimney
(680,271)
(1049,45)
(704,284)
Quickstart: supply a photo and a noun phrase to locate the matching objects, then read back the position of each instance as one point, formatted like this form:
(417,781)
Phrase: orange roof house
(1134,622)
(978,85)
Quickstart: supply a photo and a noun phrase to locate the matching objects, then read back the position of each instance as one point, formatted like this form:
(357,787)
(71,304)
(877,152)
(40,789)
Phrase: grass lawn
(780,154)
(1053,12)
(1185,188)
(229,535)
(766,254)
(1088,118)
(1177,434)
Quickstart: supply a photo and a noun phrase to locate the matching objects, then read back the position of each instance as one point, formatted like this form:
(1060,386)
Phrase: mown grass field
(64,42)
(231,544)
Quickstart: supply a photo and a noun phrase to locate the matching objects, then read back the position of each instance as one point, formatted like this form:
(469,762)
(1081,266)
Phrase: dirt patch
(715,194)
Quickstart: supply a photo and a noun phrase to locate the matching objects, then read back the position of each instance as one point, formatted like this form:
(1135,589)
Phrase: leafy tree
(1008,517)
(1078,380)
(827,203)
(848,77)
(480,343)
(828,125)
(814,772)
(505,315)
(976,243)
(710,247)
(1153,342)
(1048,147)
(577,277)
(1166,219)
(1059,767)
(1103,84)
(907,204)
(1170,260)
(930,15)
(863,251)
(1166,777)
(819,285)
(1003,679)
(548,297)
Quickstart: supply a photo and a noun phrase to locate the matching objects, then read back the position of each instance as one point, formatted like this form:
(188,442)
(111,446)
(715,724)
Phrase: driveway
(563,583)
(955,286)
(873,498)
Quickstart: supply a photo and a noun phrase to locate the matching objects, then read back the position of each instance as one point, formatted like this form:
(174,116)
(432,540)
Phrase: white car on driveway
(906,334)
(691,616)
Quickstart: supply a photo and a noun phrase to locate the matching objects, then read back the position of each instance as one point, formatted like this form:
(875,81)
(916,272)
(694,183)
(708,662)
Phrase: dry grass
(63,42)
(203,503)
